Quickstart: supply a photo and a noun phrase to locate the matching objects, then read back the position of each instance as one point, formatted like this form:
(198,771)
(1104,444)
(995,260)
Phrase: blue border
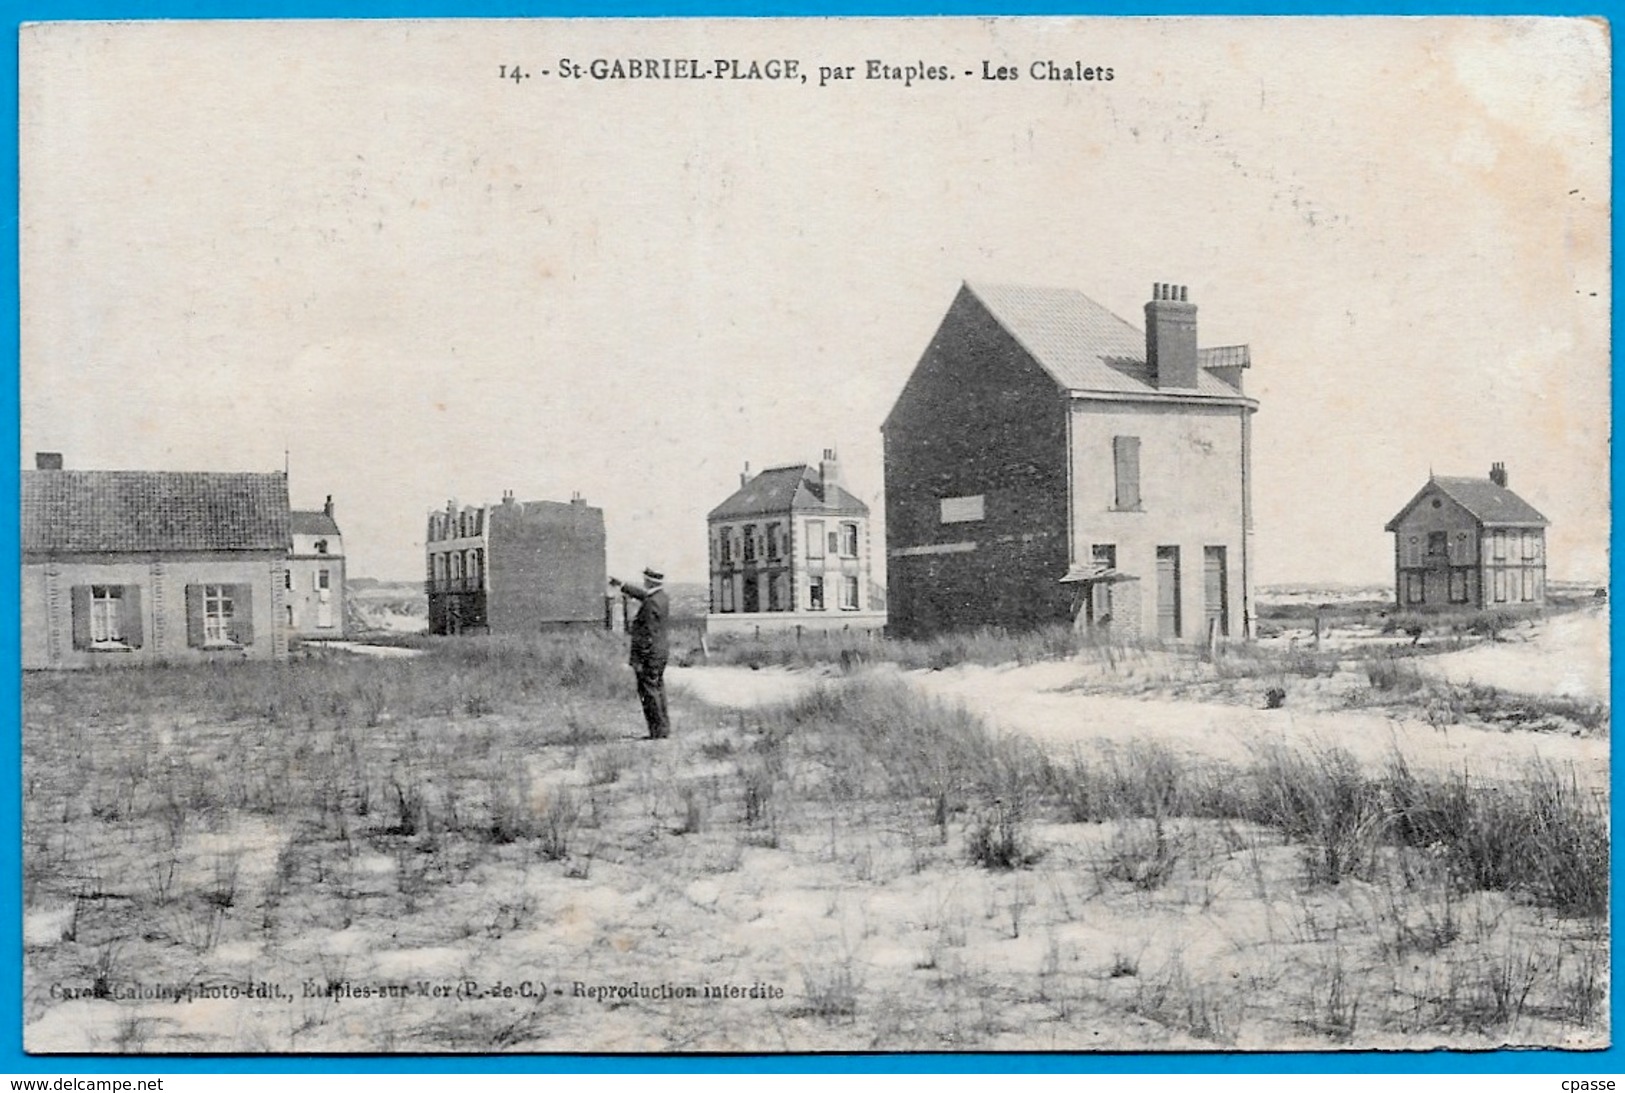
(12,1058)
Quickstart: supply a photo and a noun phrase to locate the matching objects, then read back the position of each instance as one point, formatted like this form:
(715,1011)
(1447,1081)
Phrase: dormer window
(321,546)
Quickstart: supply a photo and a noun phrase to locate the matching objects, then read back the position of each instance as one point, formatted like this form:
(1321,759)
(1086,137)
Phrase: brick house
(137,567)
(1047,462)
(516,567)
(1469,543)
(315,576)
(789,550)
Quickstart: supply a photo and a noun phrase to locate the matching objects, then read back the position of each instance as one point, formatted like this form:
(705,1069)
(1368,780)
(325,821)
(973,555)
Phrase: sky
(356,244)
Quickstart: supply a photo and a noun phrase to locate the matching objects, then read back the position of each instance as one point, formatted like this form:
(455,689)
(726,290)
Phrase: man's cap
(653,574)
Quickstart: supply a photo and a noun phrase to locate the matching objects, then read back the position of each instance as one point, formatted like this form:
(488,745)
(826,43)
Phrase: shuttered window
(1461,549)
(106,616)
(219,614)
(1126,471)
(1410,550)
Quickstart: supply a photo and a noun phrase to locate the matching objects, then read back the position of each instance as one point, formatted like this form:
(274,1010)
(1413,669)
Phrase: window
(1501,586)
(219,615)
(773,588)
(728,594)
(1531,547)
(1528,585)
(1412,554)
(815,593)
(323,580)
(849,593)
(1458,586)
(287,579)
(1438,542)
(1413,588)
(725,544)
(439,569)
(217,611)
(834,542)
(815,538)
(1461,549)
(106,607)
(773,541)
(1126,472)
(321,546)
(849,540)
(455,561)
(750,542)
(960,510)
(1500,540)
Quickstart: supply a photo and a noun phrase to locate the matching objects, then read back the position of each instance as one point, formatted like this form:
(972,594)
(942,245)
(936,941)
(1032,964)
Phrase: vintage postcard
(843,535)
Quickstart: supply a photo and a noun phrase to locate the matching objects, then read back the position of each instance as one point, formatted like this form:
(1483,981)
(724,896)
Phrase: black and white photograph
(847,535)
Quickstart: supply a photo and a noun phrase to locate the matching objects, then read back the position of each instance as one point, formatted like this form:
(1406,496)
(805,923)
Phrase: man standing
(649,649)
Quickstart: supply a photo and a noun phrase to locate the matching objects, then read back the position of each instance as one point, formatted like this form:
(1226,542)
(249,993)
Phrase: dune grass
(455,802)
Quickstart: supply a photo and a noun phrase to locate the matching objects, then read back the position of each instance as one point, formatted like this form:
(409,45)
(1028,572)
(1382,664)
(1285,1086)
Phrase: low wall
(789,622)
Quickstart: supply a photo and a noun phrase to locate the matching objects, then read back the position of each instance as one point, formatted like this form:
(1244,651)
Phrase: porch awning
(1096,573)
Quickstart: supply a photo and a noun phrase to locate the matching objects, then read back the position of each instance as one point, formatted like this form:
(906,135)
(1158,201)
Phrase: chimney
(327,509)
(1498,474)
(507,498)
(577,500)
(47,461)
(1170,337)
(829,472)
(744,475)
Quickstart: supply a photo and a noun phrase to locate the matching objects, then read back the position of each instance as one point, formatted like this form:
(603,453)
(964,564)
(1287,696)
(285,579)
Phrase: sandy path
(1567,656)
(1028,700)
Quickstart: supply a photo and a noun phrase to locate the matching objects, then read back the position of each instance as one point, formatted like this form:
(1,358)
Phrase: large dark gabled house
(1047,462)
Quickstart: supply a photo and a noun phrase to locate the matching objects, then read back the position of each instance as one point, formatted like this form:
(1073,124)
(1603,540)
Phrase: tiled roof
(1085,347)
(1491,505)
(150,511)
(312,523)
(795,488)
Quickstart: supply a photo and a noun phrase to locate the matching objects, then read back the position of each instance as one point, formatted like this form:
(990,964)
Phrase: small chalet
(135,567)
(315,579)
(1469,542)
(790,550)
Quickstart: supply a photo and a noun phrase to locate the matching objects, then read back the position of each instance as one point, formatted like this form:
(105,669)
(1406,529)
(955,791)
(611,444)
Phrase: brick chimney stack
(829,472)
(1498,474)
(744,476)
(1170,337)
(327,509)
(47,461)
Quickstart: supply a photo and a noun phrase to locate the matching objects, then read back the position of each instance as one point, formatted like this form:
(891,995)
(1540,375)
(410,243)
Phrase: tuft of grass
(559,823)
(998,839)
(1145,858)
(831,990)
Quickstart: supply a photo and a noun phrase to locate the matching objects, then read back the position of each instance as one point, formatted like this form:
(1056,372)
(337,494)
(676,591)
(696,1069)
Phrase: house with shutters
(1047,463)
(1468,543)
(314,604)
(516,567)
(789,551)
(140,567)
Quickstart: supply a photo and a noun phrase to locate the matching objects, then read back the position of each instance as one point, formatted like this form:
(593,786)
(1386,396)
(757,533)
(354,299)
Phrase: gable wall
(977,418)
